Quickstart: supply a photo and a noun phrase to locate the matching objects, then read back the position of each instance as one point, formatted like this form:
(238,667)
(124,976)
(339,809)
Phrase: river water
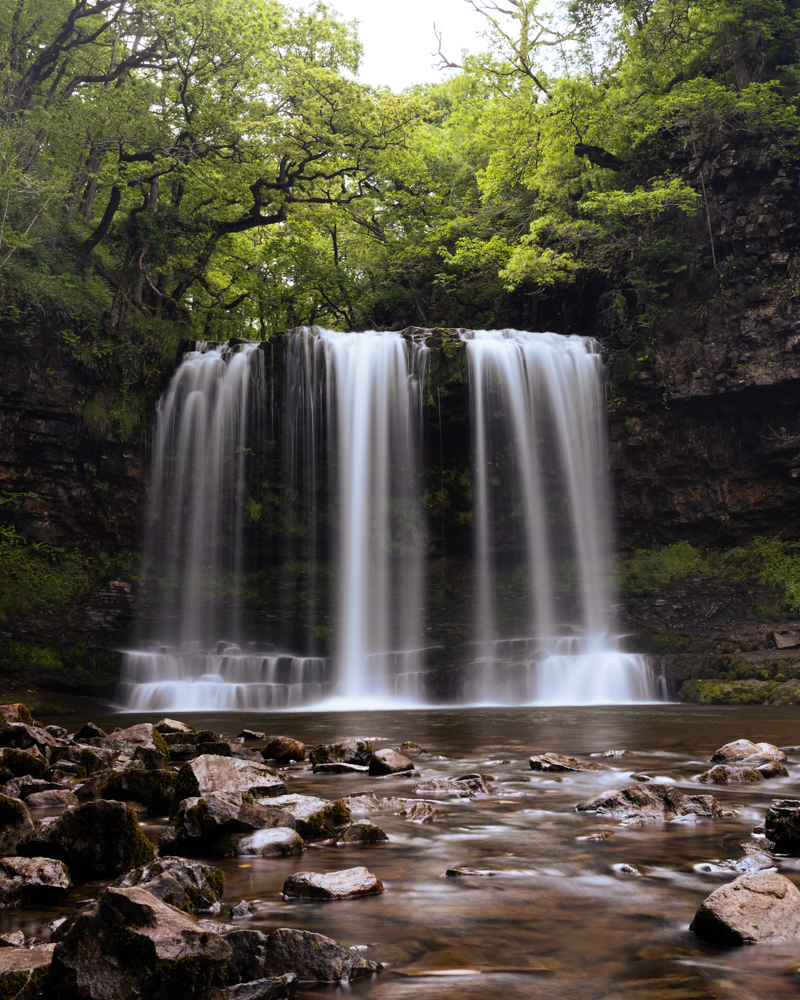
(558,919)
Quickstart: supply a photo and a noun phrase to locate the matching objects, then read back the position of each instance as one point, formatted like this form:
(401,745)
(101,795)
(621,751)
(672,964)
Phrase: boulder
(348,752)
(155,788)
(89,732)
(95,839)
(651,801)
(22,737)
(201,822)
(389,762)
(142,742)
(25,785)
(409,746)
(252,734)
(16,939)
(362,803)
(210,773)
(760,908)
(88,760)
(190,885)
(30,762)
(131,944)
(362,833)
(332,885)
(242,910)
(173,726)
(16,823)
(265,989)
(16,712)
(550,762)
(724,774)
(32,882)
(309,956)
(315,819)
(312,957)
(422,812)
(465,787)
(277,842)
(753,753)
(54,798)
(782,826)
(23,971)
(284,749)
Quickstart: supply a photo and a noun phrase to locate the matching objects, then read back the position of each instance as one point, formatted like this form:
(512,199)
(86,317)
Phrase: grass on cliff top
(770,561)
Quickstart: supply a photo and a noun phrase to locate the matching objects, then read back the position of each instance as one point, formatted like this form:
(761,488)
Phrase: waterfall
(538,411)
(305,458)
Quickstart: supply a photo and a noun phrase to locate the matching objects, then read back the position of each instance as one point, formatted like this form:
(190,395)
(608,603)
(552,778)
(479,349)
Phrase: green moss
(187,978)
(772,562)
(161,746)
(216,879)
(154,788)
(12,812)
(740,692)
(12,984)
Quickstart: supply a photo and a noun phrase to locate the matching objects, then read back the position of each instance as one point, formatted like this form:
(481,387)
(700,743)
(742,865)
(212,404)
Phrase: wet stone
(363,833)
(203,824)
(389,762)
(16,939)
(332,885)
(723,774)
(466,786)
(350,751)
(265,989)
(25,785)
(16,823)
(131,944)
(309,956)
(277,842)
(95,839)
(24,762)
(32,882)
(762,908)
(192,886)
(242,910)
(315,819)
(782,826)
(51,799)
(549,762)
(284,750)
(651,801)
(23,971)
(741,751)
(173,726)
(463,871)
(210,773)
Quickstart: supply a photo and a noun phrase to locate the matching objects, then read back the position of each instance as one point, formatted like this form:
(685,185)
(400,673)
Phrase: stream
(558,918)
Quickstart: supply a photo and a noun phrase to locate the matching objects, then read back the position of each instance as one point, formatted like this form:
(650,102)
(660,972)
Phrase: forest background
(176,169)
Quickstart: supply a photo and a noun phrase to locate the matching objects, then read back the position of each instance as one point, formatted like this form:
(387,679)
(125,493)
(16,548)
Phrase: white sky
(398,37)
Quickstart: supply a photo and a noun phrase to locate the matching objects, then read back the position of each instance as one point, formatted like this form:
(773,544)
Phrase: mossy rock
(154,789)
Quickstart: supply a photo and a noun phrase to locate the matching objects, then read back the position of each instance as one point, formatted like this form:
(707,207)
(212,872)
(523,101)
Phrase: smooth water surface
(558,920)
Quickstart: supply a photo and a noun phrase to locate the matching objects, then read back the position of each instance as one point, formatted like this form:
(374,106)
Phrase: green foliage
(39,577)
(770,561)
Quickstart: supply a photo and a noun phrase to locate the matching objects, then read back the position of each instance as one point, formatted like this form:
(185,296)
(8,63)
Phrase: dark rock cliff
(705,426)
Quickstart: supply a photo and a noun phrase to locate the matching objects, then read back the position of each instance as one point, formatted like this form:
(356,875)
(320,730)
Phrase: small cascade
(538,408)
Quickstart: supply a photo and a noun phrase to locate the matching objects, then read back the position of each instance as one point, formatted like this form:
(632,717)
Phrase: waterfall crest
(341,422)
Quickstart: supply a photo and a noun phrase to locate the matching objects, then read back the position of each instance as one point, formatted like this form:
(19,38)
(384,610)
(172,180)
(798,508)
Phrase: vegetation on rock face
(770,561)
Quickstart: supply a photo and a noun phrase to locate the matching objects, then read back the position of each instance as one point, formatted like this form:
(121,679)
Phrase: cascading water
(330,435)
(539,397)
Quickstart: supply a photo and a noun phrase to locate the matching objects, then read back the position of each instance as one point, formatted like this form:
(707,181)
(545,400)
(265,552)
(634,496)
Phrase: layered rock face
(705,438)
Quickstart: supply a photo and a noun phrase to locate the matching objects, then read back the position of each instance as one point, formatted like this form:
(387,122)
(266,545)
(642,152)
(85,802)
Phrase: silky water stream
(560,918)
